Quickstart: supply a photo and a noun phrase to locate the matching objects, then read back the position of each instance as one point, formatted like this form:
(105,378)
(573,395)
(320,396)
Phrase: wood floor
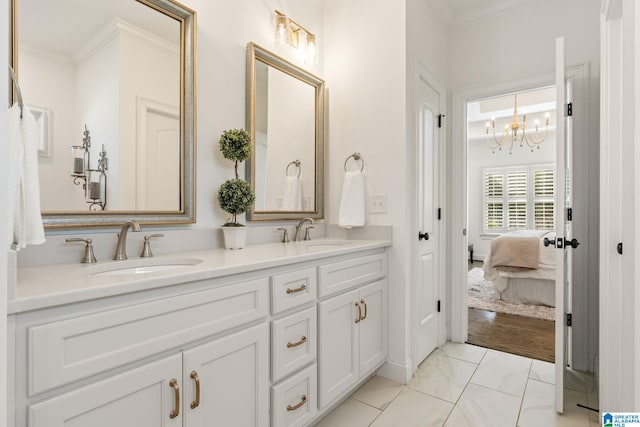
(519,335)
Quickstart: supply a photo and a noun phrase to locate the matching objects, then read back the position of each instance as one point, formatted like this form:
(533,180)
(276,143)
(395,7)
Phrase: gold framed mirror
(115,80)
(286,119)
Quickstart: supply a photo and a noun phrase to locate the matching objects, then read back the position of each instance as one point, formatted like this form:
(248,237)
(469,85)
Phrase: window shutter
(543,192)
(493,184)
(517,182)
(494,215)
(517,216)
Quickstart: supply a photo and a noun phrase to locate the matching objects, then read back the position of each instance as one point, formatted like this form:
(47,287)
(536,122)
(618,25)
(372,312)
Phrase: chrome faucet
(121,247)
(299,226)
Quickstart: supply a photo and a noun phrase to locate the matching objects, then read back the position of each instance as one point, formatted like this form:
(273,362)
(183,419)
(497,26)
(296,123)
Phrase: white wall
(365,74)
(37,69)
(483,55)
(479,156)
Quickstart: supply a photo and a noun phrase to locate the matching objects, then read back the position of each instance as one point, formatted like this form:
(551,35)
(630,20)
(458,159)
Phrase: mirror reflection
(107,73)
(284,141)
(286,120)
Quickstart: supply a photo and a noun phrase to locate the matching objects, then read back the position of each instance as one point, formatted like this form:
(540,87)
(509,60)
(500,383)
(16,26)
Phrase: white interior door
(564,239)
(426,298)
(158,156)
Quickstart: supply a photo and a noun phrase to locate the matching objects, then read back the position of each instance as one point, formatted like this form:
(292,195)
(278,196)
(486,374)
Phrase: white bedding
(546,262)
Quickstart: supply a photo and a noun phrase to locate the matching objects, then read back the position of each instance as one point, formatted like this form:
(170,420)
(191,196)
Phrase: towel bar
(356,156)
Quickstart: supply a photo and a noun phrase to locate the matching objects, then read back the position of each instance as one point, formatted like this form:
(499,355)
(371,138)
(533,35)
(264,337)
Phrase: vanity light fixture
(288,32)
(93,181)
(516,132)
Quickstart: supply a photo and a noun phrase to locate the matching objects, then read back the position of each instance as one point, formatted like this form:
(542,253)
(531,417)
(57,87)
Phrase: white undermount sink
(141,266)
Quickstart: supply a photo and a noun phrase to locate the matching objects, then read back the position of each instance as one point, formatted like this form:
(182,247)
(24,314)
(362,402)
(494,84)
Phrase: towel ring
(17,88)
(295,163)
(356,156)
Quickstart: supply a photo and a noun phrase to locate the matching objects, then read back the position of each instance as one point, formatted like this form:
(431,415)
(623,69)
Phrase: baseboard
(395,371)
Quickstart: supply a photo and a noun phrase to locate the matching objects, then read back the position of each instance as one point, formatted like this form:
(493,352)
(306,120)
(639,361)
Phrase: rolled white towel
(25,220)
(352,203)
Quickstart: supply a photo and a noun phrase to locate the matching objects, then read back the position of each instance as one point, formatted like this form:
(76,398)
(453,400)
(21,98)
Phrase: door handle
(422,235)
(573,243)
(359,313)
(365,309)
(561,242)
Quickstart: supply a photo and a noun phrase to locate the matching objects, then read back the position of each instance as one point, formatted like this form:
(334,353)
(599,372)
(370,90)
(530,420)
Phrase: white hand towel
(292,195)
(25,220)
(352,203)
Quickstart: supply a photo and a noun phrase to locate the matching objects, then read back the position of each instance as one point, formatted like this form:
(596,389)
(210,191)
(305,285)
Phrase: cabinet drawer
(343,275)
(293,342)
(68,350)
(294,400)
(290,290)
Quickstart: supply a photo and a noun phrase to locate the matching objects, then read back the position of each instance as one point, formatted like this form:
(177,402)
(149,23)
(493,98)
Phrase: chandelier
(517,133)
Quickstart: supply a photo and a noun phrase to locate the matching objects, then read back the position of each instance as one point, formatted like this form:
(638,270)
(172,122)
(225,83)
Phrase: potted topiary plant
(235,195)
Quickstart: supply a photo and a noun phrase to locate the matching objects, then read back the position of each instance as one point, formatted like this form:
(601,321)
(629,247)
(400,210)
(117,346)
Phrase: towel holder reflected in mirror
(356,156)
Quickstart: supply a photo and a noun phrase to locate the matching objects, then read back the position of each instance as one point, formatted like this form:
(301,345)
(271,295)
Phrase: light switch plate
(378,203)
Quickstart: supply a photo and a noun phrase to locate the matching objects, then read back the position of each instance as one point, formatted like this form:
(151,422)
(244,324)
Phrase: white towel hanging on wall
(25,220)
(352,203)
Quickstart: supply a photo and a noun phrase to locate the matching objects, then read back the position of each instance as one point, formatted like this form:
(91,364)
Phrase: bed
(521,268)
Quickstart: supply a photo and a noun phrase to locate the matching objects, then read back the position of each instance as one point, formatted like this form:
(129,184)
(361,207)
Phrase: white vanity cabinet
(225,380)
(270,344)
(352,339)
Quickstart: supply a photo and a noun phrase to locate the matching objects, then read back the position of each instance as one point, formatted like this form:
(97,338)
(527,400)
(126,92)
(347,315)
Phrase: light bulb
(310,55)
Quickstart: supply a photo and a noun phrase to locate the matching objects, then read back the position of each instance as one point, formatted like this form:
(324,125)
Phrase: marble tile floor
(461,385)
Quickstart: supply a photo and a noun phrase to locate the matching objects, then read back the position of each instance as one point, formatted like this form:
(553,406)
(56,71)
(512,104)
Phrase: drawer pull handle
(196,403)
(303,400)
(365,309)
(359,313)
(174,385)
(300,289)
(295,344)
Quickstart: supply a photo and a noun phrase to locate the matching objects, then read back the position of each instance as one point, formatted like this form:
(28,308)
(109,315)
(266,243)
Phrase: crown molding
(116,28)
(491,10)
(31,49)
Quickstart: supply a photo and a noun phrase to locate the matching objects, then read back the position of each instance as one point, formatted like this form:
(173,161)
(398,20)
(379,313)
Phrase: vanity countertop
(52,285)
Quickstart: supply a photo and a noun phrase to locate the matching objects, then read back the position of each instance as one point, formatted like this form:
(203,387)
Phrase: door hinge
(439,214)
(568,109)
(438,306)
(440,119)
(569,214)
(568,319)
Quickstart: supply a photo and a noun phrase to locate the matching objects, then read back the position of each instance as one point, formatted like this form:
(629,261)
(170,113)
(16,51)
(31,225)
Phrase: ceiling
(535,104)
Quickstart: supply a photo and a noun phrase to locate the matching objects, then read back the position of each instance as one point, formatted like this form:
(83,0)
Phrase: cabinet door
(372,327)
(338,343)
(233,376)
(142,397)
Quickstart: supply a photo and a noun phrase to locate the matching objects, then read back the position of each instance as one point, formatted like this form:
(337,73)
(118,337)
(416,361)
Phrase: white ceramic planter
(235,237)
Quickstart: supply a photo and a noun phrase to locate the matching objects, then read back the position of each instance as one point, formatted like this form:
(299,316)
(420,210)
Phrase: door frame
(459,316)
(422,73)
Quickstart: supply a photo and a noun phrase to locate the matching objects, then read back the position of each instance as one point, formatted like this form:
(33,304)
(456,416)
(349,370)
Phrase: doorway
(511,161)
